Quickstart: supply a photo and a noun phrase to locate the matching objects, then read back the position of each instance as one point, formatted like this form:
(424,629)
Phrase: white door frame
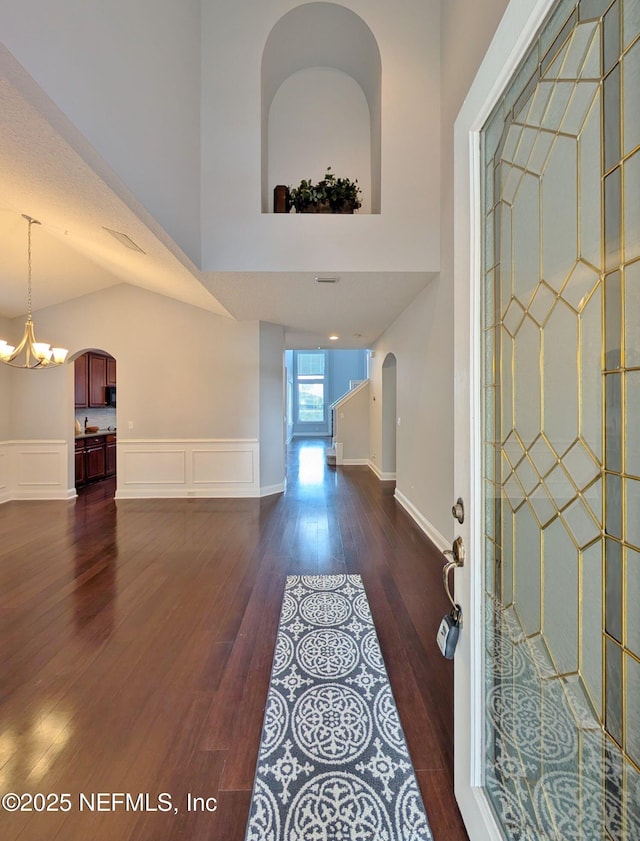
(520,23)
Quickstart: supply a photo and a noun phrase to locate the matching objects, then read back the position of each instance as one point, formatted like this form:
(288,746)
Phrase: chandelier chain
(29,270)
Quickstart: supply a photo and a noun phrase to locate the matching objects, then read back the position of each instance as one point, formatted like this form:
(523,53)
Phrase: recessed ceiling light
(334,338)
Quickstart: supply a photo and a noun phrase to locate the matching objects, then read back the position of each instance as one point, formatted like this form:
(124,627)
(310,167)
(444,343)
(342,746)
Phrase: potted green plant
(330,195)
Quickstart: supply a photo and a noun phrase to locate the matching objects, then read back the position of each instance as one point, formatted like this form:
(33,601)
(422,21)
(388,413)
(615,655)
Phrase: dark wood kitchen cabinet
(111,371)
(93,373)
(97,380)
(81,476)
(95,458)
(81,375)
(110,455)
(95,465)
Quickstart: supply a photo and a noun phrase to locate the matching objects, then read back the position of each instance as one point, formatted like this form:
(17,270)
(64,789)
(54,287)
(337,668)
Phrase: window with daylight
(310,386)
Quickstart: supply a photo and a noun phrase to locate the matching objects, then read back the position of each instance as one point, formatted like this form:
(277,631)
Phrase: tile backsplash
(102,418)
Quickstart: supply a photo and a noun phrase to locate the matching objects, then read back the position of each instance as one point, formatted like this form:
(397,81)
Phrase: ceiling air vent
(321,279)
(123,239)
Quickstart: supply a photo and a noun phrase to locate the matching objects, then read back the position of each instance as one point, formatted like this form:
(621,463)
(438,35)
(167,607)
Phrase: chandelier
(30,353)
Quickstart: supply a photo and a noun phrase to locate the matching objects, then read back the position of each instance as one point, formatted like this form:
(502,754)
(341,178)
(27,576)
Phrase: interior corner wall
(272,408)
(136,99)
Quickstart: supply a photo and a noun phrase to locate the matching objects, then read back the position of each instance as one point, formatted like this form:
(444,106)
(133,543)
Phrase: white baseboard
(384,477)
(269,490)
(39,493)
(348,461)
(155,492)
(430,530)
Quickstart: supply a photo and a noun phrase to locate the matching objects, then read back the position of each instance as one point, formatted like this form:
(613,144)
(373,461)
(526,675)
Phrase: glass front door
(560,161)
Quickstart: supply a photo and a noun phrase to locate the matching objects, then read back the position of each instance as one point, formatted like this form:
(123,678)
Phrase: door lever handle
(457,560)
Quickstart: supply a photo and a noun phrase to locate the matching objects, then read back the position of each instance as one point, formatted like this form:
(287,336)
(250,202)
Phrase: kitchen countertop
(94,434)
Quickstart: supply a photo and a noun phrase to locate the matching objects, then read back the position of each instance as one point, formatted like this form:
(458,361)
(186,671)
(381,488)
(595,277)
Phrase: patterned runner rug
(333,761)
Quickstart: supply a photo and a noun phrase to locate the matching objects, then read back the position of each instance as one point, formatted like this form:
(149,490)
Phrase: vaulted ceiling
(79,202)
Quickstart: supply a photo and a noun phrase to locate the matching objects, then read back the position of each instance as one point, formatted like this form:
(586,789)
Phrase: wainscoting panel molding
(152,466)
(5,489)
(188,468)
(215,467)
(34,470)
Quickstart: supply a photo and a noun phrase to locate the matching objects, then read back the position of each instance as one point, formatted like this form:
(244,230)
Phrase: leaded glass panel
(561,398)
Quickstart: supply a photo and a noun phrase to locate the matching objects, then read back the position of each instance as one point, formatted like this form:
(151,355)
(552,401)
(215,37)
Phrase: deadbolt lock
(457,511)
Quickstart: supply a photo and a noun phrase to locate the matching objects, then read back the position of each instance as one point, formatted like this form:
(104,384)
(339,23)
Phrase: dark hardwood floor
(136,641)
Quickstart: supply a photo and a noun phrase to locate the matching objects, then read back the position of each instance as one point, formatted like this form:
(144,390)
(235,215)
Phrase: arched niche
(321,101)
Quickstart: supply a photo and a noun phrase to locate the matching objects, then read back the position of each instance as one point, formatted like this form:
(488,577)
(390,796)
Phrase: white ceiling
(358,308)
(43,176)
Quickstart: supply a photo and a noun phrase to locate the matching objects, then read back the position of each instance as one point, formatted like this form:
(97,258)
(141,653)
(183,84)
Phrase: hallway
(137,641)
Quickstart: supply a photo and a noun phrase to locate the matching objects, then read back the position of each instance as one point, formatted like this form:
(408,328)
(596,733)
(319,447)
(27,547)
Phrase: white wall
(352,426)
(236,234)
(203,385)
(288,362)
(424,458)
(389,396)
(343,367)
(188,383)
(272,408)
(6,333)
(422,338)
(128,76)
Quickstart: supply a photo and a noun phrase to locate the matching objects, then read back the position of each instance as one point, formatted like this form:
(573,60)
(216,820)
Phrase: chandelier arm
(26,339)
(35,367)
(25,344)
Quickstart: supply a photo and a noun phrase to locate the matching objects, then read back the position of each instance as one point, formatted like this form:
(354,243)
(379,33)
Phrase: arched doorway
(95,417)
(389,416)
